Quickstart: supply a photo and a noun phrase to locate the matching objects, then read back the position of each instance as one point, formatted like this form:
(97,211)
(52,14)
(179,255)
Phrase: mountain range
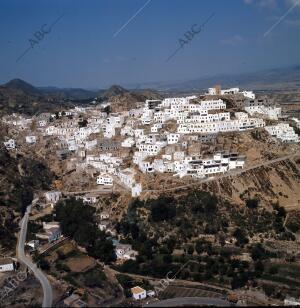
(269,79)
(20,96)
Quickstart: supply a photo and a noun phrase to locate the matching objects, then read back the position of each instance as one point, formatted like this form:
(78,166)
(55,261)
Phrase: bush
(44,264)
(273,270)
(77,221)
(126,281)
(241,236)
(60,266)
(268,289)
(162,209)
(202,202)
(252,203)
(94,278)
(258,252)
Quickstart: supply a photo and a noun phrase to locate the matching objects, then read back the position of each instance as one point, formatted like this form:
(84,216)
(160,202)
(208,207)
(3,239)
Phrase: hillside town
(156,137)
(95,151)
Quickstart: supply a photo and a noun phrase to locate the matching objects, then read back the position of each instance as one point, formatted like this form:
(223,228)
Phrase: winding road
(47,289)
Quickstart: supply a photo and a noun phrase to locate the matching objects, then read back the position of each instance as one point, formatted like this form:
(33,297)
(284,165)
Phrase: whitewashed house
(52,232)
(272,113)
(42,123)
(103,225)
(53,196)
(105,180)
(291,301)
(104,215)
(6,265)
(128,143)
(125,252)
(284,132)
(297,121)
(173,138)
(138,293)
(136,190)
(30,139)
(10,144)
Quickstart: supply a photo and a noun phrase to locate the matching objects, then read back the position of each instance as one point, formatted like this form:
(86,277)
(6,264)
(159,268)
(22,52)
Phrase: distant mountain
(20,96)
(19,84)
(68,93)
(114,90)
(271,79)
(61,93)
(122,99)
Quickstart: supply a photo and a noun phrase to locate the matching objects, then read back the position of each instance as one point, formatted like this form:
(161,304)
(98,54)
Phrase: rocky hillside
(20,177)
(19,96)
(122,99)
(277,182)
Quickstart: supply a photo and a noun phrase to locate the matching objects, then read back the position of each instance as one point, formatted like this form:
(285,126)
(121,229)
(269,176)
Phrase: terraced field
(176,291)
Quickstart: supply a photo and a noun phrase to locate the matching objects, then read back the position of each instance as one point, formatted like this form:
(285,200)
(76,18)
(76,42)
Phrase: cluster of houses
(156,136)
(232,91)
(283,132)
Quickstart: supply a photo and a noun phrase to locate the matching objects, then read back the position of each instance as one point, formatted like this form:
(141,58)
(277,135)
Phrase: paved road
(190,301)
(47,289)
(229,174)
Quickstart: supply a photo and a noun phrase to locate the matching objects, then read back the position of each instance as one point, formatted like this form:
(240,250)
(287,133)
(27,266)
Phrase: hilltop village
(159,136)
(110,161)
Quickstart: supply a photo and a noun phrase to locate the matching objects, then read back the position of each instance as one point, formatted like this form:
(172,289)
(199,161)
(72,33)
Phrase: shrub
(252,203)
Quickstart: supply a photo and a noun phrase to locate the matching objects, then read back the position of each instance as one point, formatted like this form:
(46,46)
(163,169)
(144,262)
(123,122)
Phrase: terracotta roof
(137,290)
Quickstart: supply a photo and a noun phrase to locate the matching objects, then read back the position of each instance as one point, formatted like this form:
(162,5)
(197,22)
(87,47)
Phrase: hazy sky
(96,43)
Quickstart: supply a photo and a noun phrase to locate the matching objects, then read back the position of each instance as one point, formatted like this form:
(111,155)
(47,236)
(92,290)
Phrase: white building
(173,138)
(34,244)
(104,215)
(10,144)
(105,180)
(291,301)
(231,91)
(42,123)
(52,196)
(248,94)
(138,293)
(90,199)
(103,225)
(30,139)
(269,112)
(136,190)
(283,132)
(128,143)
(297,121)
(125,252)
(6,265)
(52,232)
(127,177)
(218,164)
